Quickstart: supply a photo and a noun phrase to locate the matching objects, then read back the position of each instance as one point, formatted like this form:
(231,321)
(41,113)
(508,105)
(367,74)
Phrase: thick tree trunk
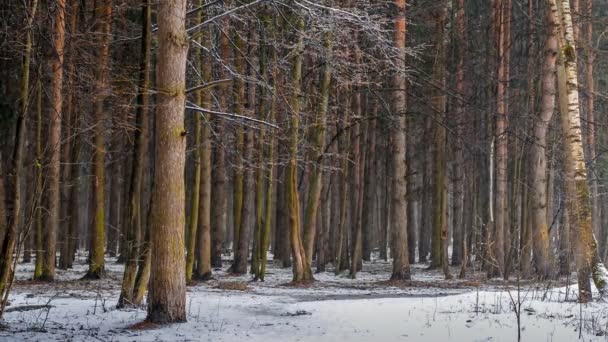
(401,265)
(498,239)
(344,188)
(96,259)
(459,230)
(538,161)
(577,188)
(318,142)
(167,295)
(196,190)
(301,267)
(69,155)
(238,168)
(247,221)
(600,231)
(219,203)
(525,239)
(54,142)
(358,157)
(11,239)
(204,252)
(267,110)
(440,199)
(133,224)
(246,176)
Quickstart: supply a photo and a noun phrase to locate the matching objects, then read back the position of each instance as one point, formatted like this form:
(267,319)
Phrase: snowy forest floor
(334,308)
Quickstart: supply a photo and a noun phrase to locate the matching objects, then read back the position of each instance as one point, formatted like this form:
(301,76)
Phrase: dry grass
(232,285)
(145,325)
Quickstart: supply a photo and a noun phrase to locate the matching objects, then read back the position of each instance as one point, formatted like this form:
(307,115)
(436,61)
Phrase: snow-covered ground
(332,309)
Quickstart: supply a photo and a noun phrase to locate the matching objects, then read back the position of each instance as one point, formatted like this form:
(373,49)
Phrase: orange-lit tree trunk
(301,267)
(53,188)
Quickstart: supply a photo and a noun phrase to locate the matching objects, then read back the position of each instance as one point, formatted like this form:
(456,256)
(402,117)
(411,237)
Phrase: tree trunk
(344,188)
(301,267)
(369,207)
(204,253)
(401,265)
(238,168)
(459,228)
(318,142)
(167,295)
(577,189)
(11,240)
(198,208)
(358,156)
(134,227)
(219,203)
(54,141)
(440,199)
(498,240)
(602,232)
(538,161)
(426,217)
(245,176)
(38,213)
(69,157)
(97,261)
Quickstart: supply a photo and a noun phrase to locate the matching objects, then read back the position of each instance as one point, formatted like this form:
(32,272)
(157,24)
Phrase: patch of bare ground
(428,284)
(145,325)
(307,284)
(232,286)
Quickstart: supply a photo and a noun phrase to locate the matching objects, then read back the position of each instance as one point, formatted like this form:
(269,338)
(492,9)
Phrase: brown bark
(538,160)
(10,241)
(219,203)
(133,225)
(69,155)
(596,213)
(499,240)
(204,261)
(459,230)
(440,193)
(367,219)
(54,141)
(577,189)
(96,259)
(318,142)
(301,267)
(167,294)
(398,221)
(426,217)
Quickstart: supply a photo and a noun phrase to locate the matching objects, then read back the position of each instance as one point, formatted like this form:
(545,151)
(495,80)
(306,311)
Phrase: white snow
(333,309)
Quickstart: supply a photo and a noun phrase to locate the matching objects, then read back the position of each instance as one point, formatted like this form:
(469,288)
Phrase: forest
(303,170)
